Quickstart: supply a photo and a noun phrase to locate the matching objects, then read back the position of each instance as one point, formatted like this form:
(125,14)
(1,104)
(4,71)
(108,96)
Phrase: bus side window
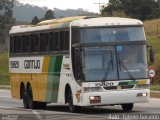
(57,41)
(62,39)
(32,43)
(36,43)
(52,41)
(66,44)
(11,45)
(75,35)
(25,43)
(44,42)
(17,44)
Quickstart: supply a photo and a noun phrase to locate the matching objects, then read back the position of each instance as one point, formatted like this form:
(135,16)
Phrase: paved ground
(11,109)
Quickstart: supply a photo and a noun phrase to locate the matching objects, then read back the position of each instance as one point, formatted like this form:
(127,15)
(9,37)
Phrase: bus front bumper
(115,97)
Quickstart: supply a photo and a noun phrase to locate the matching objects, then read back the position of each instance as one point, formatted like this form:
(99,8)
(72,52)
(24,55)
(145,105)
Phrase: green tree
(6,20)
(140,9)
(49,15)
(35,20)
(6,11)
(114,6)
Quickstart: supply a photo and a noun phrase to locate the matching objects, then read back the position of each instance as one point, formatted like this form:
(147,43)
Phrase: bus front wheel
(72,108)
(127,107)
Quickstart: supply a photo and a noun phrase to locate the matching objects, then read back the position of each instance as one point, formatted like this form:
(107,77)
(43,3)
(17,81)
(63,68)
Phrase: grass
(155,43)
(4,73)
(155,87)
(152,27)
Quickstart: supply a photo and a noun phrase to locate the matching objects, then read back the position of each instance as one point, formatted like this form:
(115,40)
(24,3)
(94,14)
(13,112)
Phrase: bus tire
(72,108)
(127,107)
(25,99)
(41,105)
(32,104)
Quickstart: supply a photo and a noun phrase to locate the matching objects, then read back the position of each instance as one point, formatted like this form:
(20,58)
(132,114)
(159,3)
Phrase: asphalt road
(12,109)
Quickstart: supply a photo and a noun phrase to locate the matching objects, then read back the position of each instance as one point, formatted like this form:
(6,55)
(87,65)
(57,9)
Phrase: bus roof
(45,25)
(107,21)
(79,21)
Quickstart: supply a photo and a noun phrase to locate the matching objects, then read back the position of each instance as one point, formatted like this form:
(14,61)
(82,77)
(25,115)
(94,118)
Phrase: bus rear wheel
(25,100)
(72,108)
(34,104)
(30,98)
(127,107)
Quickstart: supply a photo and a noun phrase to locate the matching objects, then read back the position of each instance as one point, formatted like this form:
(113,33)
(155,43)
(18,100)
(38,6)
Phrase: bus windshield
(91,35)
(115,63)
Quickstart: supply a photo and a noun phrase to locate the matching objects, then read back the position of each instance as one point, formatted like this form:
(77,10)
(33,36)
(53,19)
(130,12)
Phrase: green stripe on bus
(128,83)
(123,83)
(50,79)
(57,70)
(53,78)
(132,82)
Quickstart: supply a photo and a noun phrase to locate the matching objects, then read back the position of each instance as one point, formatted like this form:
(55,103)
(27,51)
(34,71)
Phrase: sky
(88,5)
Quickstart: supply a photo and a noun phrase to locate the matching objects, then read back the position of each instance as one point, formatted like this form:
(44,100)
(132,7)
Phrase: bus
(80,61)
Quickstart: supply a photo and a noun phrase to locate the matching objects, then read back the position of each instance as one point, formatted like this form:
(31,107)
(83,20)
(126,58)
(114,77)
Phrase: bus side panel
(15,83)
(39,80)
(65,78)
(53,78)
(16,80)
(42,80)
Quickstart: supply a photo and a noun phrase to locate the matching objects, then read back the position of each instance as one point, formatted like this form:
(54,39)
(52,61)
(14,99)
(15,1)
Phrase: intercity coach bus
(80,61)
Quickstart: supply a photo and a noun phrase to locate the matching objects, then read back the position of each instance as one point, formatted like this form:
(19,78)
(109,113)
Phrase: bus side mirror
(151,54)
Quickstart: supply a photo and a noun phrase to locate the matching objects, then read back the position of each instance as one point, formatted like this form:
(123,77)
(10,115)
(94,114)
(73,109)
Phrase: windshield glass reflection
(90,35)
(132,61)
(101,63)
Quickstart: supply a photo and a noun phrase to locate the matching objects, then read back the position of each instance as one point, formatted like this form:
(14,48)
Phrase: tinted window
(57,41)
(66,44)
(44,42)
(17,44)
(35,43)
(26,43)
(40,42)
(75,35)
(52,41)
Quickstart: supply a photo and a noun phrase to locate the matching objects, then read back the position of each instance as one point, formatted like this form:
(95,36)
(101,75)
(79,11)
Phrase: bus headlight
(144,86)
(95,99)
(92,89)
(142,94)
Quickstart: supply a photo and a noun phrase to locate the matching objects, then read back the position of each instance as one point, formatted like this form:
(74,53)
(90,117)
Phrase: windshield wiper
(125,68)
(110,63)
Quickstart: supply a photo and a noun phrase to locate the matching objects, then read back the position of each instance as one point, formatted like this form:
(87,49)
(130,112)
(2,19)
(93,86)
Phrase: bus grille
(122,87)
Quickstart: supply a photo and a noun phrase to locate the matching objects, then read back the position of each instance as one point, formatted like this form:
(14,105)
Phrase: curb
(154,94)
(5,87)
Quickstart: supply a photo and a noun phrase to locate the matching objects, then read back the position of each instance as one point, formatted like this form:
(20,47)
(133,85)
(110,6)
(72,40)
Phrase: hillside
(26,12)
